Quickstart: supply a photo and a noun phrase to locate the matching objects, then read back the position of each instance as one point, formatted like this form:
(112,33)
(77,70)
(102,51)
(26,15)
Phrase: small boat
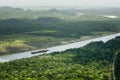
(40,51)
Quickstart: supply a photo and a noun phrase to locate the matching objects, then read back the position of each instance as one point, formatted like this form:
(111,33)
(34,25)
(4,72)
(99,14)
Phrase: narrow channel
(6,58)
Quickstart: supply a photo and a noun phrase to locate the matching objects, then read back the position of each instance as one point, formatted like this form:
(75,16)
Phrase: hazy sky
(84,3)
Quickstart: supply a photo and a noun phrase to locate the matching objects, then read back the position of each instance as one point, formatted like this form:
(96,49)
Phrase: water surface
(6,58)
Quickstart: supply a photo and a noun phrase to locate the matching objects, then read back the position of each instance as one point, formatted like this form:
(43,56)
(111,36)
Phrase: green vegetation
(88,63)
(24,30)
(50,31)
(19,43)
(9,12)
(46,28)
(117,67)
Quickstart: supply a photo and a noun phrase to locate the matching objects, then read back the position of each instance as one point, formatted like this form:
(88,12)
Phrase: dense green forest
(91,62)
(117,67)
(24,30)
(57,27)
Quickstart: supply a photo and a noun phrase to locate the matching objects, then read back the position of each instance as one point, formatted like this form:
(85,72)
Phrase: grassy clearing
(13,46)
(19,43)
(104,33)
(44,31)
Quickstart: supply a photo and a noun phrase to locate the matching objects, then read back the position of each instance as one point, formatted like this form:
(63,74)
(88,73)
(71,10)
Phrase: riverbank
(28,54)
(11,44)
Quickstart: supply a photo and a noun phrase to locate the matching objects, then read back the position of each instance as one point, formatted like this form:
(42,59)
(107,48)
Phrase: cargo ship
(40,51)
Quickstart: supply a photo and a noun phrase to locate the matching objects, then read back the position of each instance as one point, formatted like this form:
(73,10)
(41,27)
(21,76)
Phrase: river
(6,58)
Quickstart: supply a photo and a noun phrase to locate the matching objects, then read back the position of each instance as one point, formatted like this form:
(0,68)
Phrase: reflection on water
(28,54)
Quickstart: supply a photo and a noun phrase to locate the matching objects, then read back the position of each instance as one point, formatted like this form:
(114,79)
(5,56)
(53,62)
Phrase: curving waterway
(6,58)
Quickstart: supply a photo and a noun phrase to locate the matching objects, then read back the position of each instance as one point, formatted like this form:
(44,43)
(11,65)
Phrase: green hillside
(51,31)
(91,62)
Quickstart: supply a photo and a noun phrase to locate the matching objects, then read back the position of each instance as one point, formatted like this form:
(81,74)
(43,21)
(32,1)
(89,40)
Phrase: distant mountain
(107,11)
(9,12)
(64,12)
(10,9)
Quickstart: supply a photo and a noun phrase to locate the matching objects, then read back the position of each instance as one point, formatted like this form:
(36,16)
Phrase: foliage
(117,67)
(45,32)
(88,63)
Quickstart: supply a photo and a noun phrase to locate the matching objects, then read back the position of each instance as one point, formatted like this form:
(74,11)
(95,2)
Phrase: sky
(68,3)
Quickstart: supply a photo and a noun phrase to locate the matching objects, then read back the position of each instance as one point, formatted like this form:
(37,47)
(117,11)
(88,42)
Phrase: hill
(7,12)
(23,30)
(19,35)
(91,62)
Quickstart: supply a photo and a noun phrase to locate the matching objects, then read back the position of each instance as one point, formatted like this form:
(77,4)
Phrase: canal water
(6,58)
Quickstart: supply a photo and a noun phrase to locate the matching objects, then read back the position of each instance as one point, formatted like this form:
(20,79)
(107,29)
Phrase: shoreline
(6,58)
